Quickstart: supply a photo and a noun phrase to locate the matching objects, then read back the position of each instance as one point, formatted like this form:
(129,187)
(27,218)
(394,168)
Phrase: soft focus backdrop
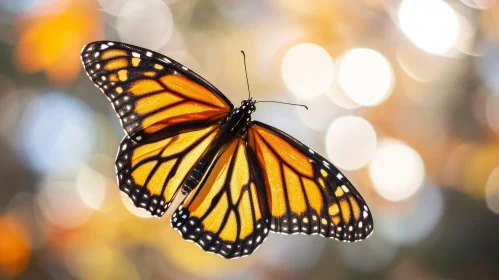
(403,97)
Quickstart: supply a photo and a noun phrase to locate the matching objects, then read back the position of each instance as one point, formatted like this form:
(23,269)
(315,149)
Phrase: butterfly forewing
(305,193)
(154,96)
(223,214)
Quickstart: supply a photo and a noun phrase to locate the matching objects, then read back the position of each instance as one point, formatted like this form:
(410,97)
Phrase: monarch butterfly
(241,178)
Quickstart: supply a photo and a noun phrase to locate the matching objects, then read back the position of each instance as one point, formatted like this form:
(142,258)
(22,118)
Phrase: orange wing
(305,193)
(151,174)
(154,96)
(223,214)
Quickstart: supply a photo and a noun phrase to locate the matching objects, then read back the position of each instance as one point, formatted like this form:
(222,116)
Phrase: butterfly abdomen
(195,176)
(199,169)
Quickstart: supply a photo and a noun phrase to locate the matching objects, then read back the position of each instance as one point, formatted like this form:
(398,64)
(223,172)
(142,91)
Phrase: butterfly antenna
(294,104)
(246,72)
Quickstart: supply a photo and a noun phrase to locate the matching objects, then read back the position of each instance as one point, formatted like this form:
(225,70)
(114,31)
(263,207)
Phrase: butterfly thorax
(239,118)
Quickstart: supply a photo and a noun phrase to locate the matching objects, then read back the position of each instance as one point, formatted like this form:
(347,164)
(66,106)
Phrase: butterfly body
(242,178)
(231,127)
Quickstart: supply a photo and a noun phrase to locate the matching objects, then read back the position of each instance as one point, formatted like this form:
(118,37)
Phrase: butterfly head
(248,106)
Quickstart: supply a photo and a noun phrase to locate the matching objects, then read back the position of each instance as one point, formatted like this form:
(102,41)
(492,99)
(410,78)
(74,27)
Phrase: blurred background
(403,97)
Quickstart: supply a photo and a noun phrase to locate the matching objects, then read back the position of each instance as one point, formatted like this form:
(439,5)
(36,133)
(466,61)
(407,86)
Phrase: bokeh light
(397,171)
(492,191)
(350,142)
(466,42)
(486,65)
(146,23)
(61,204)
(492,112)
(323,111)
(480,4)
(420,65)
(308,70)
(340,98)
(21,207)
(91,187)
(51,33)
(56,120)
(366,76)
(432,25)
(34,6)
(243,11)
(412,225)
(15,252)
(112,7)
(16,6)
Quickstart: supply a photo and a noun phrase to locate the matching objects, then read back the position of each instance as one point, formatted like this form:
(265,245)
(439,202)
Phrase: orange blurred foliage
(14,250)
(51,41)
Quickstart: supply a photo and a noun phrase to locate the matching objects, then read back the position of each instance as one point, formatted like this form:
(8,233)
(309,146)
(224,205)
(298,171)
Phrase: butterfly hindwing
(305,193)
(223,214)
(151,174)
(154,96)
